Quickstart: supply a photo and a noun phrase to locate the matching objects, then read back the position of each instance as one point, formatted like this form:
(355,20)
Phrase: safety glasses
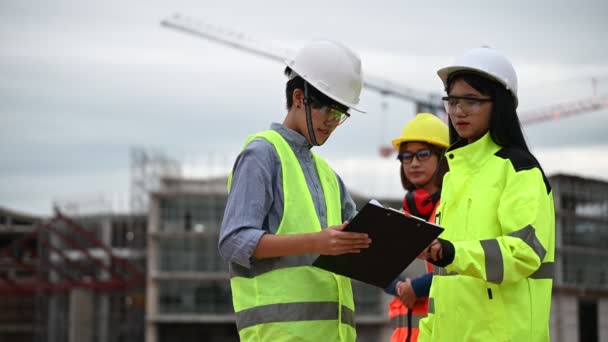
(334,112)
(422,155)
(468,105)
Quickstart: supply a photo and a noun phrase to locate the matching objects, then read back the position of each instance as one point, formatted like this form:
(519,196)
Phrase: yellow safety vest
(497,210)
(285,298)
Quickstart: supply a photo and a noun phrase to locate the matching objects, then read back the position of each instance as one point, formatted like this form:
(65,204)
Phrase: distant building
(107,303)
(17,313)
(579,309)
(188,285)
(72,279)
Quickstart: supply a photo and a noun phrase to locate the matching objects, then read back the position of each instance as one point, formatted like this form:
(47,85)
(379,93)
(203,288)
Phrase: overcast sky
(84,81)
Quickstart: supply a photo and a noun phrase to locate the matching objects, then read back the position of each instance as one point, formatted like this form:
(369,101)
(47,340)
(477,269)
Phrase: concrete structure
(16,312)
(114,309)
(187,281)
(65,279)
(580,291)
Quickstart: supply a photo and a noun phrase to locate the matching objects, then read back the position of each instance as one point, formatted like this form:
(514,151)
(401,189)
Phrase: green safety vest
(285,298)
(497,210)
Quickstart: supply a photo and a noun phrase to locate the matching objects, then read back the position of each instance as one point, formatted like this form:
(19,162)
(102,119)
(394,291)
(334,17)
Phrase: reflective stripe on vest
(285,298)
(400,321)
(288,312)
(270,264)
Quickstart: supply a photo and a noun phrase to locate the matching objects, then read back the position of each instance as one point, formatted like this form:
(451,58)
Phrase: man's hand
(406,293)
(333,241)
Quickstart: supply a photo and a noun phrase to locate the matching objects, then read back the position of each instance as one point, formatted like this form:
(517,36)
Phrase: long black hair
(505,127)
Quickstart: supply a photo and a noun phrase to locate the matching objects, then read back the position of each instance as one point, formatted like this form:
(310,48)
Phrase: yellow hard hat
(425,127)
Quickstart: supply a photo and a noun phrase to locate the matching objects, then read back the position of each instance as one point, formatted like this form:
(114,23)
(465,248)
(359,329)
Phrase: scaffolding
(63,282)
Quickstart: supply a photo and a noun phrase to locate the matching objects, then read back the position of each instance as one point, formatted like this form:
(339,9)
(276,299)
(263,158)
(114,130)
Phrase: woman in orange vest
(421,146)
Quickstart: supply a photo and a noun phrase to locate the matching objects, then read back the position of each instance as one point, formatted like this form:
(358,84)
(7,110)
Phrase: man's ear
(297,96)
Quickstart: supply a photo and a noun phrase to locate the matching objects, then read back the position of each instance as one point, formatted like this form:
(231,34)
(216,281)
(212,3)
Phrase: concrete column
(564,318)
(602,318)
(152,262)
(81,323)
(387,330)
(103,324)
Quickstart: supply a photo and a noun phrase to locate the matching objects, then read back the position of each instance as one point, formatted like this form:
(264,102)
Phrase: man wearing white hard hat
(286,206)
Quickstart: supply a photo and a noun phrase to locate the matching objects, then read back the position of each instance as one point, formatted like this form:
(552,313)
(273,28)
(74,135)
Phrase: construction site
(153,272)
(158,275)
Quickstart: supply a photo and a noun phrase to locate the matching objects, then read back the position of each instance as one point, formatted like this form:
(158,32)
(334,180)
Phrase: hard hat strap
(311,131)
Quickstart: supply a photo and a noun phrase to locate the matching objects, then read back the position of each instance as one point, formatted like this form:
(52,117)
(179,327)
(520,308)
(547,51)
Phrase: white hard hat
(487,62)
(331,68)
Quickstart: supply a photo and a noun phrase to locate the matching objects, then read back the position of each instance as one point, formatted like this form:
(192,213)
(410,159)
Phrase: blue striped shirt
(255,202)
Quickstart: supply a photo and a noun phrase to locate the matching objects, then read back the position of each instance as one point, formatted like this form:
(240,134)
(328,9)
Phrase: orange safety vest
(397,312)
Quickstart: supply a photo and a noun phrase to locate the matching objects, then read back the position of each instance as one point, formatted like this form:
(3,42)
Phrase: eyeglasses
(332,111)
(422,155)
(468,105)
(334,114)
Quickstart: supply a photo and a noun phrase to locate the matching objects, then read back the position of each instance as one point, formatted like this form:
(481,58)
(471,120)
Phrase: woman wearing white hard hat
(495,258)
(286,205)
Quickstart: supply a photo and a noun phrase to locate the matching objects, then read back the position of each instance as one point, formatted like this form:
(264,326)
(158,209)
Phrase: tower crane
(563,110)
(424,101)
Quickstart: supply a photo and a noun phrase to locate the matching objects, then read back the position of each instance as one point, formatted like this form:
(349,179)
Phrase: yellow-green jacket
(285,298)
(497,210)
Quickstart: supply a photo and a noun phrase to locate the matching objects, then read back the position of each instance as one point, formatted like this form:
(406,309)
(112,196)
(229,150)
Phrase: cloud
(86,81)
(585,161)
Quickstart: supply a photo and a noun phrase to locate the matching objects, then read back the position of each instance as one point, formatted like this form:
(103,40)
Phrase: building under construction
(72,278)
(82,279)
(579,309)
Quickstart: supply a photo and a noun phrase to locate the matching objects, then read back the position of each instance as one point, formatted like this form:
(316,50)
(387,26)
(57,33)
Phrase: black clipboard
(397,239)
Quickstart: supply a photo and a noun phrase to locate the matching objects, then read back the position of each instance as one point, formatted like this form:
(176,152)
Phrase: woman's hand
(433,252)
(406,293)
(440,253)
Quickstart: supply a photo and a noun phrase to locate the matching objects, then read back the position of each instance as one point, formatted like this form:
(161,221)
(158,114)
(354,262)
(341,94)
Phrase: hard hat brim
(397,142)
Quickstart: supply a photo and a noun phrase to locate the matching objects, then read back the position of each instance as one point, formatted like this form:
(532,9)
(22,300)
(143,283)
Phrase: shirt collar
(297,141)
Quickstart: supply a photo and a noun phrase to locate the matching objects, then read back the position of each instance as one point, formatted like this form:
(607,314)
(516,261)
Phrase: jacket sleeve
(526,217)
